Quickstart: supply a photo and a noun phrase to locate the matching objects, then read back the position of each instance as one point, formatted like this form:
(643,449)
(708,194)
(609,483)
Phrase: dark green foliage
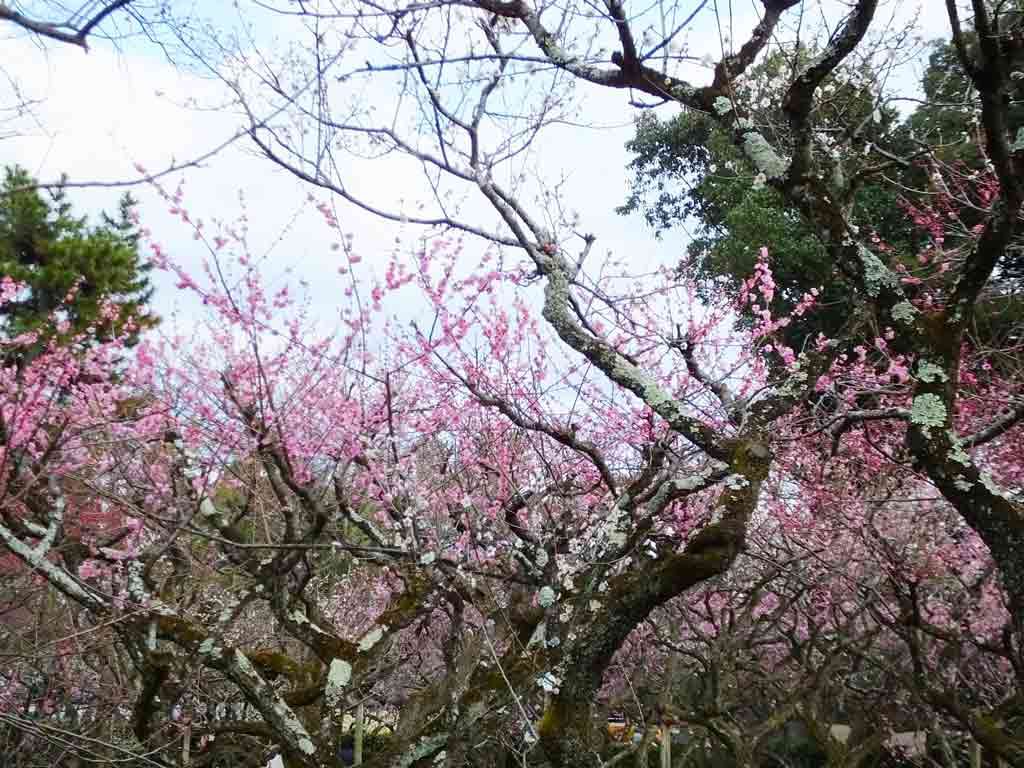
(688,173)
(44,245)
(946,120)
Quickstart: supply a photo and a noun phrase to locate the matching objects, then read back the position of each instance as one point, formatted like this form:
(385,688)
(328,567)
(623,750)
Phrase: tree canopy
(572,487)
(687,172)
(76,279)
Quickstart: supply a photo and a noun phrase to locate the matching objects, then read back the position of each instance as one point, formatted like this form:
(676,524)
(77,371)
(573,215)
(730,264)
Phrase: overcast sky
(99,113)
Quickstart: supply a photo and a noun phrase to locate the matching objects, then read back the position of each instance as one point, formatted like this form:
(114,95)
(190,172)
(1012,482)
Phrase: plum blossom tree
(277,524)
(254,460)
(523,494)
(462,143)
(465,68)
(863,615)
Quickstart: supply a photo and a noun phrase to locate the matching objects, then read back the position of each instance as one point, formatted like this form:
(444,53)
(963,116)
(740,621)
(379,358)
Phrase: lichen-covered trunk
(991,512)
(567,731)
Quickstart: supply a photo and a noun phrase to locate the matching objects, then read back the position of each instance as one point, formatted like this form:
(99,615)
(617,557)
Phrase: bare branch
(566,437)
(719,388)
(61,32)
(800,96)
(1000,426)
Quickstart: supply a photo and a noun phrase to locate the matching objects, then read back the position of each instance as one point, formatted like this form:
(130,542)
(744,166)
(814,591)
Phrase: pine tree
(57,254)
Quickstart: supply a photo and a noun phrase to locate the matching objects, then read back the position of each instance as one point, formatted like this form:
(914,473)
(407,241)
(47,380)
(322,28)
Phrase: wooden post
(666,706)
(186,744)
(357,742)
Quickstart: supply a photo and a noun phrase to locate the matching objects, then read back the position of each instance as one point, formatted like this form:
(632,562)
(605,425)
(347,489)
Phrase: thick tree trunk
(566,730)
